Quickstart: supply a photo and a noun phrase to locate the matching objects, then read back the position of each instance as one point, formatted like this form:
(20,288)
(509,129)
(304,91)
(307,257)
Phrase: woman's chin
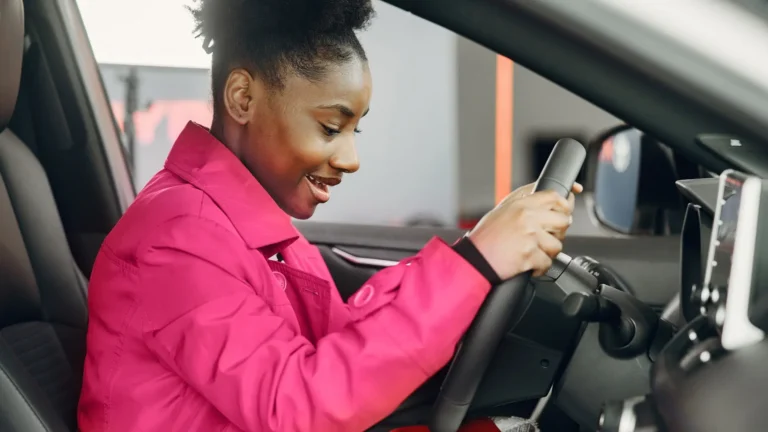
(302,212)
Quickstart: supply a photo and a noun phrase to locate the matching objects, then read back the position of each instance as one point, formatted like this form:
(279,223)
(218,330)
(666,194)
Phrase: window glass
(428,147)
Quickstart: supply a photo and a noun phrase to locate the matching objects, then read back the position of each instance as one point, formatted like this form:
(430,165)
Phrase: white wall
(143,32)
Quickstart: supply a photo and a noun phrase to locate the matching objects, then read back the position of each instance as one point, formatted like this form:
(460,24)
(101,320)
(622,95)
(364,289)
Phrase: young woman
(210,311)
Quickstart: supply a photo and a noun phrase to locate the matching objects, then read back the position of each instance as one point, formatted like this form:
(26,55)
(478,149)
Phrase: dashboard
(719,254)
(707,375)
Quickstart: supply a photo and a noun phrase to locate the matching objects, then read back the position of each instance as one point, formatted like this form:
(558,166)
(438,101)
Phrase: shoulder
(171,212)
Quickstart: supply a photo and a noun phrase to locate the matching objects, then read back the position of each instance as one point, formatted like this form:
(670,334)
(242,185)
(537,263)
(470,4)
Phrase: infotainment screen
(728,277)
(724,235)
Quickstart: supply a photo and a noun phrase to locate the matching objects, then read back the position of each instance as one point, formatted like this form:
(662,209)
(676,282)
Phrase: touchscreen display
(732,259)
(726,233)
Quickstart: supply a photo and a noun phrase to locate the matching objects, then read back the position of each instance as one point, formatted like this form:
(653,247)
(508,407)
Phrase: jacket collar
(203,161)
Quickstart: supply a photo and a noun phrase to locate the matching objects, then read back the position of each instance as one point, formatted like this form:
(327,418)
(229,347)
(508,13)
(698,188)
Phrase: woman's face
(299,141)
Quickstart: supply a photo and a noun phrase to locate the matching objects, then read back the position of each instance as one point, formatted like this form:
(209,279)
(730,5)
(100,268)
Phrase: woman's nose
(345,157)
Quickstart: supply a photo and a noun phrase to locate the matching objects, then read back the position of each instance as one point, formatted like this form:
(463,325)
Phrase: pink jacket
(193,328)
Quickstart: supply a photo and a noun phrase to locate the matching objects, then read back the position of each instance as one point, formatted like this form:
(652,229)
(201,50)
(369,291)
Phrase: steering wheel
(501,310)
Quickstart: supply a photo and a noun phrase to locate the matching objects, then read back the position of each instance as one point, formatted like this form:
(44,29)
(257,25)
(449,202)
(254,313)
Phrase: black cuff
(469,252)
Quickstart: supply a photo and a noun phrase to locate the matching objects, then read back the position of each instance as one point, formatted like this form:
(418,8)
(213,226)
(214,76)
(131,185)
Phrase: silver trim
(738,331)
(370,262)
(540,405)
(713,236)
(97,96)
(628,419)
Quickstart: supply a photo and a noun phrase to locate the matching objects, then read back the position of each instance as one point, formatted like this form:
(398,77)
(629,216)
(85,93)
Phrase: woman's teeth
(320,190)
(316,182)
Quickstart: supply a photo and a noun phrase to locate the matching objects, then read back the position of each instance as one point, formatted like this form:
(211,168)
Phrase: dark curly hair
(272,37)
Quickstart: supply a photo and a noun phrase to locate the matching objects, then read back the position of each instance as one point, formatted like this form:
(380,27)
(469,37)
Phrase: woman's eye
(330,131)
(333,132)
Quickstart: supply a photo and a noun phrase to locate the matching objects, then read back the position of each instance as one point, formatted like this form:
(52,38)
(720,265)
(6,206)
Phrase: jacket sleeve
(208,324)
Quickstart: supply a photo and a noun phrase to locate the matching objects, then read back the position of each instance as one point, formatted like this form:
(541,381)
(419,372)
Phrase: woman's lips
(320,187)
(330,181)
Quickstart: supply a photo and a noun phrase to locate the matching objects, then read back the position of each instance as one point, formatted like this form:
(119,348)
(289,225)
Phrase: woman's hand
(525,231)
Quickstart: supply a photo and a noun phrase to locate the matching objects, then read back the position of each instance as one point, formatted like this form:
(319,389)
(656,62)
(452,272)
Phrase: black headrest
(11,56)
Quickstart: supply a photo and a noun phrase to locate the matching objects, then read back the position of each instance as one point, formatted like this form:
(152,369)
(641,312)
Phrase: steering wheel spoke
(502,309)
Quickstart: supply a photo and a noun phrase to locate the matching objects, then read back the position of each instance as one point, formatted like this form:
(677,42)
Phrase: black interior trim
(620,253)
(374,236)
(59,127)
(702,192)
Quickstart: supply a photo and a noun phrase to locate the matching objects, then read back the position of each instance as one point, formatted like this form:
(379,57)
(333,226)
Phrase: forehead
(346,82)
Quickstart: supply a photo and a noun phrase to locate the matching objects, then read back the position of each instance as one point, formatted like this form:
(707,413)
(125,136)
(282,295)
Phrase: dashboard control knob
(704,295)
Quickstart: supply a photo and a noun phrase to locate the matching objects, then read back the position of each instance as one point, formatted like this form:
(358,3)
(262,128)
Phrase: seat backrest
(12,52)
(43,315)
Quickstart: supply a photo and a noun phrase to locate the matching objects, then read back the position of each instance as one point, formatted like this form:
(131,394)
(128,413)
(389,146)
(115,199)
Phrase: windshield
(713,45)
(713,51)
(731,33)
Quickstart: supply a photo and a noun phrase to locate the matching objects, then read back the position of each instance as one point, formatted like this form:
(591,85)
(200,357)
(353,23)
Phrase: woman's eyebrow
(343,109)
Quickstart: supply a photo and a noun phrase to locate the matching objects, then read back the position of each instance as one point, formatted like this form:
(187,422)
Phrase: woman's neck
(229,136)
(217,129)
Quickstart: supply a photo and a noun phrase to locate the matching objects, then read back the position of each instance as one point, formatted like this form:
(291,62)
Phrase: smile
(320,187)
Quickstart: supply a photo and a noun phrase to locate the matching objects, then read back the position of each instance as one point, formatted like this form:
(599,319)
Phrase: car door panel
(348,276)
(649,264)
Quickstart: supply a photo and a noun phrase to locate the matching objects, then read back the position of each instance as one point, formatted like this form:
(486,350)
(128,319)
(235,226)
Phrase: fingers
(549,247)
(560,234)
(541,253)
(551,200)
(521,192)
(552,220)
(525,190)
(549,244)
(540,263)
(576,189)
(528,190)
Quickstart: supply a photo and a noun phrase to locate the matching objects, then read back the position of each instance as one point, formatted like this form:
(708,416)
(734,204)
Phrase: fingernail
(570,219)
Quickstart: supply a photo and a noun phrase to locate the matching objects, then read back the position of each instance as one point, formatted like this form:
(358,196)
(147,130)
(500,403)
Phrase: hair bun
(317,16)
(298,18)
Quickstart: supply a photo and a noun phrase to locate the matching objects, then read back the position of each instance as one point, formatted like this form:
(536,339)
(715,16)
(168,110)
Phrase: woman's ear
(239,95)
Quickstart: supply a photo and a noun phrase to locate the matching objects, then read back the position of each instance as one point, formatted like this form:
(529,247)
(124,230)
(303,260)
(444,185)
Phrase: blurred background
(452,126)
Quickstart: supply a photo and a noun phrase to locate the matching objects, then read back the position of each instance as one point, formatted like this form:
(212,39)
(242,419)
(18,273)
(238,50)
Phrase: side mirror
(632,178)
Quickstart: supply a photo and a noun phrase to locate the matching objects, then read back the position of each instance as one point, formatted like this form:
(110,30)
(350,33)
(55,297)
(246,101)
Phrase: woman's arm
(209,326)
